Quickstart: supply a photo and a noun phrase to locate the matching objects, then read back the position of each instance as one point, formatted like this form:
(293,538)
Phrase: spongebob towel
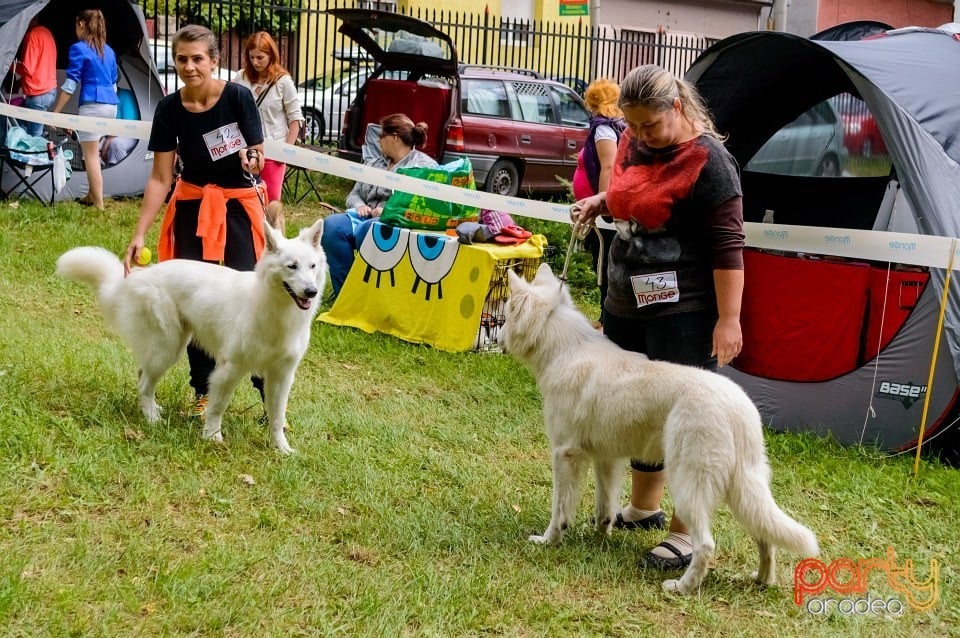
(422,287)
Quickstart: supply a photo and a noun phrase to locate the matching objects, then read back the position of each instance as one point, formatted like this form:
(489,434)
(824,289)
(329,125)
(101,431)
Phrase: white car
(163,55)
(324,102)
(810,145)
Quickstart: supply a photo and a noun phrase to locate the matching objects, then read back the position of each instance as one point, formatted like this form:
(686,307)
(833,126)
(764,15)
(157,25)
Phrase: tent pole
(933,361)
(779,15)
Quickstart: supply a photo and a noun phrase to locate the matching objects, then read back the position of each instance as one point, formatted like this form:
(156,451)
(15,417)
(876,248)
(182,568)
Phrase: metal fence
(315,53)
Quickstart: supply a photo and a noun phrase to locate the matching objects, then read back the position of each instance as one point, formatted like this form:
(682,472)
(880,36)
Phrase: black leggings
(239,254)
(685,338)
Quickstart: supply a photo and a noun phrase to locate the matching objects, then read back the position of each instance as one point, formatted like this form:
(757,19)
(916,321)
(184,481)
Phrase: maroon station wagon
(521,131)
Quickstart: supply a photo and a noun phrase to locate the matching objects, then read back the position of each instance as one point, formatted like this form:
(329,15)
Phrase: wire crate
(492,316)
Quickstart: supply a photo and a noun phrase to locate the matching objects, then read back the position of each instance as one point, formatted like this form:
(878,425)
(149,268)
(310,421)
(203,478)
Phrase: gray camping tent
(127,35)
(756,83)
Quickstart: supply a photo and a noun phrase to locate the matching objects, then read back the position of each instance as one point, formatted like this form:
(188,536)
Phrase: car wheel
(313,121)
(867,150)
(503,179)
(829,167)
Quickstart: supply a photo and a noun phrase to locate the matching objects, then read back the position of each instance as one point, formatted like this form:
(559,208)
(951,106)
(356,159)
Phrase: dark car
(521,131)
(577,84)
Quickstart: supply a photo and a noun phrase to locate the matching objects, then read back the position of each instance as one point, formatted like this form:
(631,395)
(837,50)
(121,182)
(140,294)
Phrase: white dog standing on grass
(255,322)
(605,404)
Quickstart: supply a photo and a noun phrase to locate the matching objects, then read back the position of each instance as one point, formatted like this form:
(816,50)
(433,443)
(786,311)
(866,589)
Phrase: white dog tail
(753,505)
(97,267)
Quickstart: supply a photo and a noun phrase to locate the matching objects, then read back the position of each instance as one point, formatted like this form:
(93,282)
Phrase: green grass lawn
(876,166)
(405,512)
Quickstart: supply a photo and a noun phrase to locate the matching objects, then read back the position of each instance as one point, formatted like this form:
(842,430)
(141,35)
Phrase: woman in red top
(37,68)
(676,265)
(595,166)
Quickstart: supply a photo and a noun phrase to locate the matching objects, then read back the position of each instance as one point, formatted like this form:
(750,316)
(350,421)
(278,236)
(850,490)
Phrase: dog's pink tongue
(304,302)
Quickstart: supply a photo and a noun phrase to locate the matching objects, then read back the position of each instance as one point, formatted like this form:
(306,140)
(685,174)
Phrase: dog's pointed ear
(313,234)
(515,281)
(271,236)
(545,275)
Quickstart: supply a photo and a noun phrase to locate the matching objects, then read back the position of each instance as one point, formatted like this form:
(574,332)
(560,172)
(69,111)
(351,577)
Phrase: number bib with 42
(224,140)
(657,287)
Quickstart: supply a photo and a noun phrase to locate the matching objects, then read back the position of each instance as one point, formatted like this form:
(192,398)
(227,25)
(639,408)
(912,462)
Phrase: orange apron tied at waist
(212,218)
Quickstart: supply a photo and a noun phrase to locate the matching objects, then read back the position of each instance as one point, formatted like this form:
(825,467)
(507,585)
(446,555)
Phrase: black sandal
(678,561)
(654,521)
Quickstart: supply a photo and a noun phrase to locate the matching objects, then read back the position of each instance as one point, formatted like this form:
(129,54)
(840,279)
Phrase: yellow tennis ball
(144,257)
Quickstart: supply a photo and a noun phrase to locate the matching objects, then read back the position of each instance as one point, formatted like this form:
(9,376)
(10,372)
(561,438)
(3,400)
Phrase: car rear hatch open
(415,74)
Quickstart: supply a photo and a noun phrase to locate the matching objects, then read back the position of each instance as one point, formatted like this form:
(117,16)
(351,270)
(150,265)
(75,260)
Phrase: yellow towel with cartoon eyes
(425,287)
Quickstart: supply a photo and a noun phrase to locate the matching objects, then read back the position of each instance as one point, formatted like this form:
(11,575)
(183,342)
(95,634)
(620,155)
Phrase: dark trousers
(685,338)
(239,254)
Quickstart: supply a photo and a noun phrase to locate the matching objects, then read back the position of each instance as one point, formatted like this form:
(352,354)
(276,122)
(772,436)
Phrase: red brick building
(719,19)
(807,18)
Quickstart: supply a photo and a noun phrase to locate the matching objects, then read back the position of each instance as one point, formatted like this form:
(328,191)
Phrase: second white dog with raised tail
(605,404)
(255,322)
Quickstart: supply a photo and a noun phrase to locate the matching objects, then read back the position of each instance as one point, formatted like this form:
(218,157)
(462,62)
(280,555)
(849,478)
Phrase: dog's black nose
(310,293)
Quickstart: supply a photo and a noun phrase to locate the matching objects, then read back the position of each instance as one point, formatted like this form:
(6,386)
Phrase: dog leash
(578,232)
(254,155)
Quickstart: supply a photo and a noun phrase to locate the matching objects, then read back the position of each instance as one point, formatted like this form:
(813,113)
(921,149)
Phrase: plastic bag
(59,171)
(424,213)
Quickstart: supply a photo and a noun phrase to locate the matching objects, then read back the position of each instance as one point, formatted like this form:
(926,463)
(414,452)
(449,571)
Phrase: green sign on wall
(574,8)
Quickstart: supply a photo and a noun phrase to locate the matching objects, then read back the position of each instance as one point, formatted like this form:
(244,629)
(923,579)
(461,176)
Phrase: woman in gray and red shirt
(676,266)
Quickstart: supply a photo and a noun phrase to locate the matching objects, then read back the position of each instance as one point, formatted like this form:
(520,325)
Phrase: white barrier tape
(903,248)
(325,163)
(918,250)
(299,156)
(121,128)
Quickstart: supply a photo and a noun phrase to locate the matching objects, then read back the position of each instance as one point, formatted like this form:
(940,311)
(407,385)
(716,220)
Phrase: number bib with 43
(223,141)
(657,287)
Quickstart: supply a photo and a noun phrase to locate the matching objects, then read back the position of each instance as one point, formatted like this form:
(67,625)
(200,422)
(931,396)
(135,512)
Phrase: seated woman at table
(343,232)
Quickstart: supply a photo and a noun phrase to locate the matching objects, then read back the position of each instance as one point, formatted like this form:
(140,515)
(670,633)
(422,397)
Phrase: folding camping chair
(27,169)
(291,181)
(300,183)
(295,176)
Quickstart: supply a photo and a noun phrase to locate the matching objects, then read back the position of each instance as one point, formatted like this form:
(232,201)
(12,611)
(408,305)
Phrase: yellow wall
(316,29)
(546,10)
(314,35)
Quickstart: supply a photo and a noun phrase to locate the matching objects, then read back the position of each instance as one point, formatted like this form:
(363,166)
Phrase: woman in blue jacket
(92,67)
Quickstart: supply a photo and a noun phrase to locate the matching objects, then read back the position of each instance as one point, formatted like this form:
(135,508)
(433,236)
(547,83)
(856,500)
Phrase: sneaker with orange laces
(198,408)
(264,422)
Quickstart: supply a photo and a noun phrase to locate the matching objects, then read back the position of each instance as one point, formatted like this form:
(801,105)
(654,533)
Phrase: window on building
(516,26)
(378,5)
